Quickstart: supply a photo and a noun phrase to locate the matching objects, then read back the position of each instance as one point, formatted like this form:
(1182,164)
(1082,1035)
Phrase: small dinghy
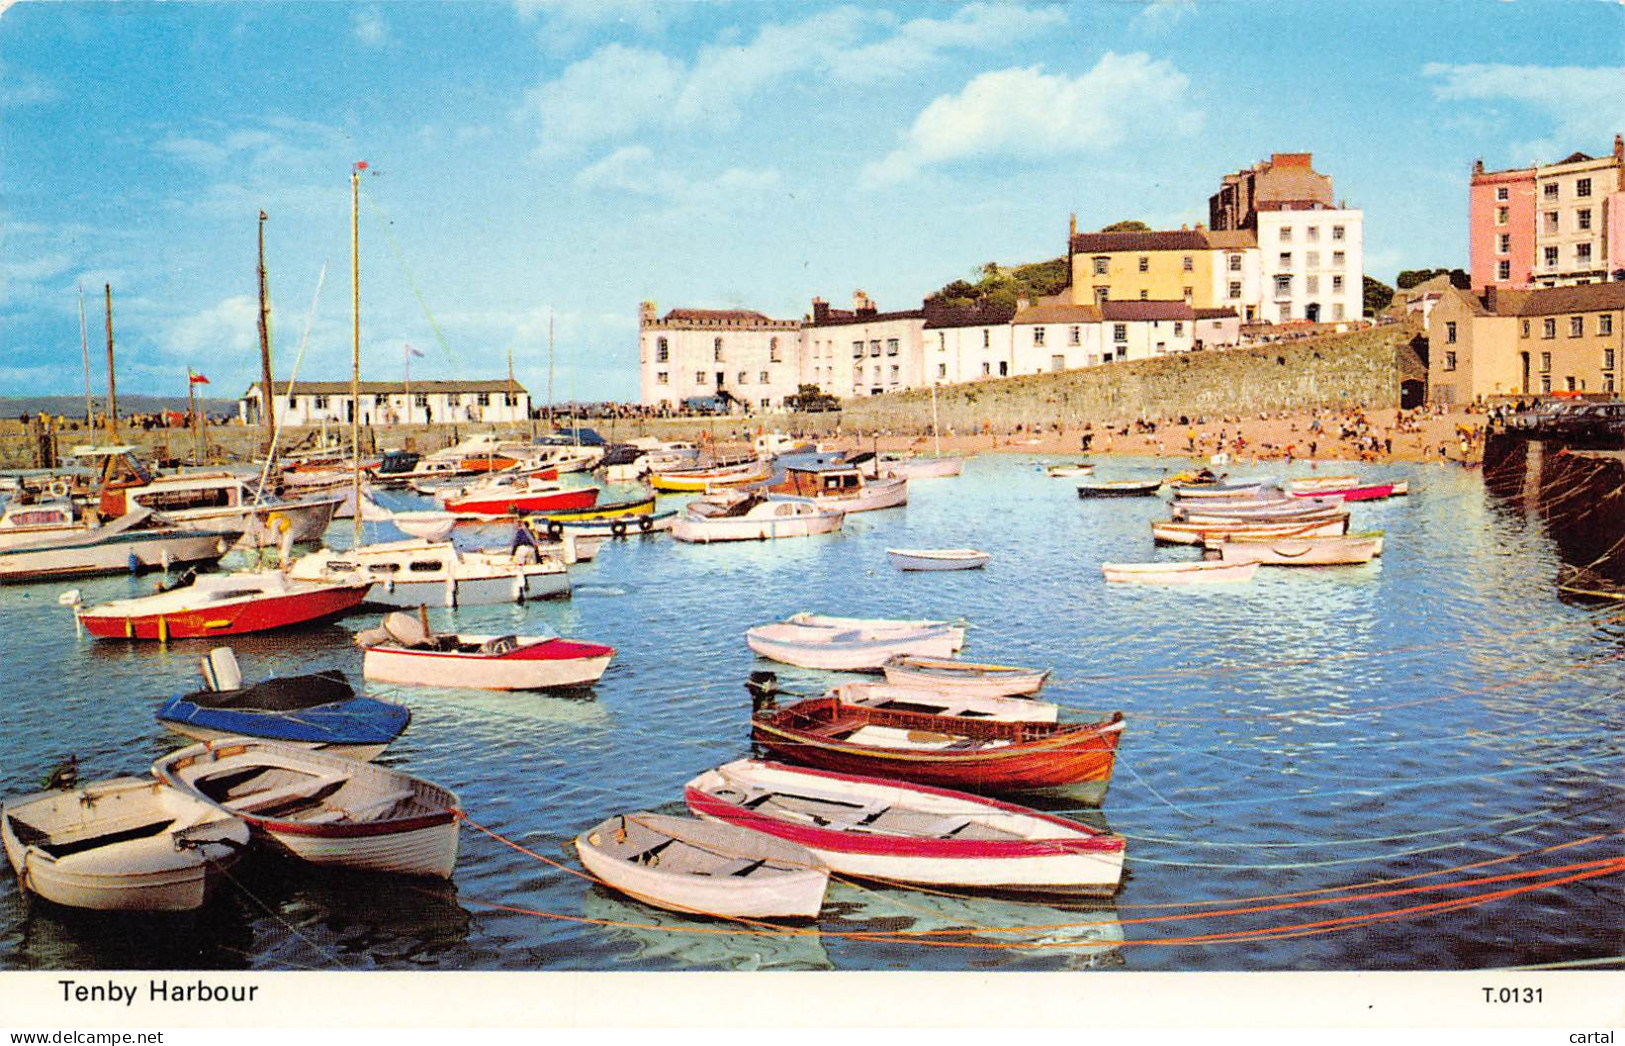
(321,710)
(1120,488)
(1208,572)
(1299,552)
(128,844)
(1063,471)
(881,829)
(946,703)
(963,677)
(851,644)
(1172,532)
(224,605)
(404,650)
(323,808)
(938,558)
(704,867)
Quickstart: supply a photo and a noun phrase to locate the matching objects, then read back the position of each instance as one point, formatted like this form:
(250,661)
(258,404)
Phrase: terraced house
(1498,343)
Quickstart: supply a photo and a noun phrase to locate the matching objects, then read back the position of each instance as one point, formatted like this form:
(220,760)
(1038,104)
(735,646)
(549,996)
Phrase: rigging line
(334,959)
(400,259)
(1129,766)
(299,358)
(1372,791)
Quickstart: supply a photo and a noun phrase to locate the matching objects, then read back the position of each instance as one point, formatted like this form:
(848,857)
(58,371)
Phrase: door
(1523,358)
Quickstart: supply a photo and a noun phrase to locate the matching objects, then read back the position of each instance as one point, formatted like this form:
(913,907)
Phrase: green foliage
(1377,296)
(1127,226)
(997,284)
(809,398)
(1409,278)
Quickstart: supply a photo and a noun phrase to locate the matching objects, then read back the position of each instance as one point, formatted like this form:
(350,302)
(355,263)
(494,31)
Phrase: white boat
(1299,552)
(136,541)
(1171,532)
(881,829)
(832,484)
(879,625)
(938,558)
(1321,510)
(851,648)
(704,867)
(890,696)
(127,844)
(403,650)
(922,468)
(25,521)
(323,808)
(1207,572)
(948,675)
(728,516)
(414,572)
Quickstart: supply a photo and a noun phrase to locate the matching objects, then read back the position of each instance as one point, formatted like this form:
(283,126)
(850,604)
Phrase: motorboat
(224,605)
(838,484)
(735,516)
(404,650)
(414,572)
(136,541)
(512,495)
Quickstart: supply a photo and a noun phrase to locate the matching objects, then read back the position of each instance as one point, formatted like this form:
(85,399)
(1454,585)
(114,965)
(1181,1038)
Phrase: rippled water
(1313,730)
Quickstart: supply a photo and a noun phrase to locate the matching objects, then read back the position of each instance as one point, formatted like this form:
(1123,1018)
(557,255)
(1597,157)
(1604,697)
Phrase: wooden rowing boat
(1173,532)
(1209,572)
(1120,488)
(938,558)
(857,648)
(1298,552)
(963,677)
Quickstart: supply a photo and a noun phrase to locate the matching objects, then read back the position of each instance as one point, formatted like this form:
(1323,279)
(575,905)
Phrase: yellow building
(1526,343)
(1176,265)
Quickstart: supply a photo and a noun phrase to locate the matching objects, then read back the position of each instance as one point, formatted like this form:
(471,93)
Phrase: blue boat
(311,711)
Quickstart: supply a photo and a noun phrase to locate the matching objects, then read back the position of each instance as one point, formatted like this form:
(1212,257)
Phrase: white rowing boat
(1208,572)
(938,558)
(964,677)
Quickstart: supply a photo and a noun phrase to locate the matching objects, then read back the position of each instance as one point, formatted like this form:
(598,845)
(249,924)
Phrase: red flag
(361,165)
(194,378)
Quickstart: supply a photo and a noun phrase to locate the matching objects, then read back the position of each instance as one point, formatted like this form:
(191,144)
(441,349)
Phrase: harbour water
(1429,722)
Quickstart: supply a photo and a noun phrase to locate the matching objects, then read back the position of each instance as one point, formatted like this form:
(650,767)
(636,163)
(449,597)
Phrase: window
(1179,329)
(1313,232)
(1501,215)
(1283,286)
(1075,336)
(1038,335)
(1004,368)
(1550,190)
(1577,326)
(1235,263)
(1339,259)
(1145,263)
(773,354)
(716,349)
(942,370)
(1187,293)
(987,338)
(1607,359)
(1450,335)
(420,399)
(1337,283)
(1569,382)
(874,347)
(1545,383)
(1503,244)
(1582,219)
(1235,288)
(766,403)
(1145,295)
(891,346)
(1501,193)
(763,378)
(1119,332)
(1286,259)
(1449,361)
(662,351)
(1605,324)
(699,377)
(1337,232)
(1550,255)
(1545,363)
(483,399)
(1608,383)
(1313,261)
(663,378)
(1550,218)
(1101,294)
(987,369)
(1188,264)
(1582,187)
(1102,265)
(1526,328)
(1503,270)
(319,402)
(1286,234)
(1582,253)
(1548,329)
(1311,285)
(896,371)
(857,350)
(742,377)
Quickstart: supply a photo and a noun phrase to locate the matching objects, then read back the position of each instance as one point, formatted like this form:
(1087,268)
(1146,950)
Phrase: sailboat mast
(84,348)
(112,386)
(936,427)
(267,392)
(511,399)
(550,368)
(355,359)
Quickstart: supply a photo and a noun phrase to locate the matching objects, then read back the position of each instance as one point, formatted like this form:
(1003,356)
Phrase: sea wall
(1577,494)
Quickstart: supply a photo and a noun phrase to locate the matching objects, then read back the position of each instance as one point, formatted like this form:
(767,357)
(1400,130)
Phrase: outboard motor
(764,690)
(221,671)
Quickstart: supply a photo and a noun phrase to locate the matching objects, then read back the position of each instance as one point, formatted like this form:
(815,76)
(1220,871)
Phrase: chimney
(820,310)
(861,302)
(1489,299)
(1072,229)
(1478,166)
(646,314)
(1619,148)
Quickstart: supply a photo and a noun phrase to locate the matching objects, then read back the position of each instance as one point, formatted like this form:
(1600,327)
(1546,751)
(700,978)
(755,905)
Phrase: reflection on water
(1303,732)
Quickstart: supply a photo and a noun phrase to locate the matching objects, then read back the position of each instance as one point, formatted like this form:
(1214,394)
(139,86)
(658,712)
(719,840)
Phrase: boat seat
(308,791)
(499,645)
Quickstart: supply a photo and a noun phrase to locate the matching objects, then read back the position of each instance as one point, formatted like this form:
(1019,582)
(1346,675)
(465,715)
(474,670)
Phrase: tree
(1127,226)
(997,284)
(1409,278)
(1378,295)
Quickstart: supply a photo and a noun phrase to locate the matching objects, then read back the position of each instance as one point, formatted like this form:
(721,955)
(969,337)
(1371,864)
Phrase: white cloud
(1027,114)
(229,327)
(1586,105)
(1158,16)
(620,90)
(21,89)
(370,28)
(634,169)
(567,24)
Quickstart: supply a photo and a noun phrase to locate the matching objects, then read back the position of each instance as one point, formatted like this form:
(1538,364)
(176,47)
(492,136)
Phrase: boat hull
(1292,552)
(924,468)
(553,665)
(229,619)
(1178,573)
(855,656)
(920,560)
(522,503)
(1175,533)
(468,592)
(134,552)
(706,531)
(967,678)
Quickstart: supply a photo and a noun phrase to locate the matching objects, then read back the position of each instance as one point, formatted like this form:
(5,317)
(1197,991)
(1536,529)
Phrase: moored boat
(1174,532)
(963,677)
(1299,552)
(946,702)
(1207,572)
(508,495)
(938,558)
(736,516)
(404,650)
(838,484)
(883,829)
(704,867)
(126,844)
(700,480)
(323,808)
(413,572)
(1366,492)
(1120,488)
(1064,471)
(224,605)
(858,647)
(137,541)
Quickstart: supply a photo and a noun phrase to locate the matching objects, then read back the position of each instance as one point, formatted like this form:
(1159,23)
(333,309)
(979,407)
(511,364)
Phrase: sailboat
(934,467)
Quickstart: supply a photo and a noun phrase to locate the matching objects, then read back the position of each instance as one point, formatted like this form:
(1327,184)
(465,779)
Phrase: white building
(863,352)
(1052,337)
(1142,330)
(1312,263)
(390,402)
(1238,280)
(731,353)
(967,343)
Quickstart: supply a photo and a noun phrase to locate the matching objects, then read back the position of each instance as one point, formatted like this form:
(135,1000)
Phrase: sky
(534,163)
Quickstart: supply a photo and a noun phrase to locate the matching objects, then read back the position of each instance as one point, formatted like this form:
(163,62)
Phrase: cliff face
(1364,368)
(1579,496)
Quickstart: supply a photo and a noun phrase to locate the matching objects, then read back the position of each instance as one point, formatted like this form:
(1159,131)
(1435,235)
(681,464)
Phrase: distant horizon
(536,170)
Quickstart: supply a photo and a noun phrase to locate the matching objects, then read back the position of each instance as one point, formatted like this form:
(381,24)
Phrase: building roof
(717,315)
(1146,310)
(1059,314)
(1216,314)
(981,314)
(846,317)
(1232,239)
(1587,297)
(375,388)
(1110,242)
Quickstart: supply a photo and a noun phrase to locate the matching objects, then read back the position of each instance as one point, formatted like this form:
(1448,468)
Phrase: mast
(84,348)
(112,387)
(267,391)
(936,427)
(191,414)
(511,400)
(355,359)
(550,368)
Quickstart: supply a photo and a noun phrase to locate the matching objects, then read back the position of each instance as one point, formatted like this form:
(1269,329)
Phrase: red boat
(1372,492)
(960,752)
(507,495)
(224,605)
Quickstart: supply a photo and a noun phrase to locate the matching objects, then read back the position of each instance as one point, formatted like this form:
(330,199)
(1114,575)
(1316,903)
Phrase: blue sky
(583,155)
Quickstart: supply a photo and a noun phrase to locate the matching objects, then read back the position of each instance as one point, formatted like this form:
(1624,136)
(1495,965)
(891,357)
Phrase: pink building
(1501,227)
